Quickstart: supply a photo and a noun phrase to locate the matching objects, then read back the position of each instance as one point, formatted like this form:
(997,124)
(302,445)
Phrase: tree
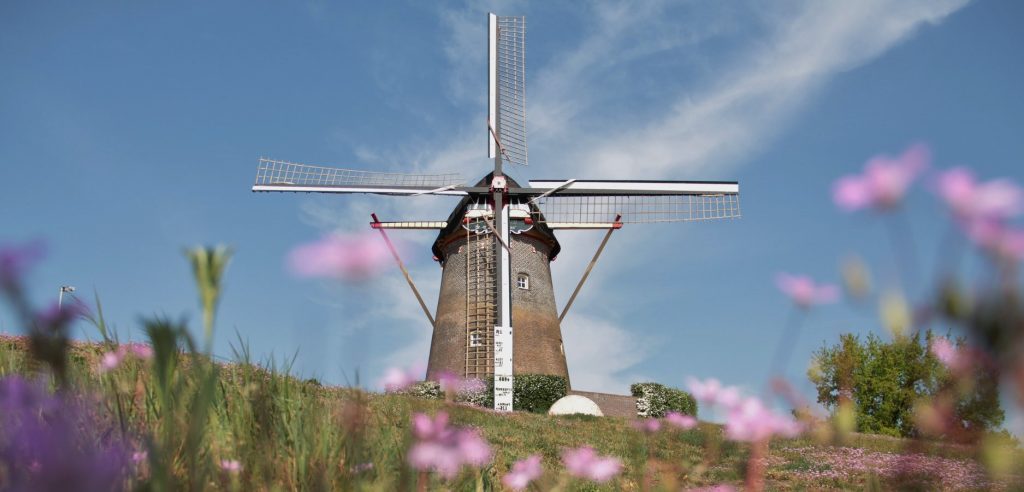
(885,380)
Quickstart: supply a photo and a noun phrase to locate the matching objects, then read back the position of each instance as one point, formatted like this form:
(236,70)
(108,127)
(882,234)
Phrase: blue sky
(131,130)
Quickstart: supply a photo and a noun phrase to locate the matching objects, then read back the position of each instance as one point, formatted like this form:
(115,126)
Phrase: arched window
(523,281)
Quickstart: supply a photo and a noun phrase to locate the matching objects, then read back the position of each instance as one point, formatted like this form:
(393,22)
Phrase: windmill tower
(496,312)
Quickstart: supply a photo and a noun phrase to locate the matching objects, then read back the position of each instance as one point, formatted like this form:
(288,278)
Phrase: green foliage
(884,380)
(656,400)
(530,392)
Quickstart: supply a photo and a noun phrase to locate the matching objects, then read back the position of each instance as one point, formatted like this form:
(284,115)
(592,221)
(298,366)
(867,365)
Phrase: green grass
(291,434)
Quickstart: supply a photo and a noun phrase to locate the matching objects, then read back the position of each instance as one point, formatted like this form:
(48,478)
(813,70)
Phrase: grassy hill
(184,418)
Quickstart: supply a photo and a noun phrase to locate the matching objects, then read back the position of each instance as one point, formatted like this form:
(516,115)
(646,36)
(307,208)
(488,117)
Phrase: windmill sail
(638,202)
(507,88)
(274,175)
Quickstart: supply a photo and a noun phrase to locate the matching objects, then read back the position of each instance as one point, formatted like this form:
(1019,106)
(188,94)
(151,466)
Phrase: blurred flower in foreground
(804,292)
(970,200)
(713,393)
(16,260)
(397,379)
(884,182)
(523,472)
(681,421)
(649,426)
(947,353)
(998,239)
(353,257)
(453,383)
(111,360)
(751,421)
(445,449)
(231,466)
(585,463)
(53,443)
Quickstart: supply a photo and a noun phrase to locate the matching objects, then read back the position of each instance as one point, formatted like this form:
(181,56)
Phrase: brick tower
(462,342)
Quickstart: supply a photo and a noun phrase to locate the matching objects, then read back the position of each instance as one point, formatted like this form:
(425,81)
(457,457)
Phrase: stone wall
(611,405)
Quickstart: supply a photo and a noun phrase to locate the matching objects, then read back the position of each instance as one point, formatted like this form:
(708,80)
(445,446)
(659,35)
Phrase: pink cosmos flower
(230,466)
(751,421)
(685,422)
(139,456)
(585,463)
(445,449)
(947,353)
(110,361)
(998,239)
(969,200)
(523,472)
(804,292)
(346,257)
(142,351)
(884,182)
(396,379)
(648,426)
(713,393)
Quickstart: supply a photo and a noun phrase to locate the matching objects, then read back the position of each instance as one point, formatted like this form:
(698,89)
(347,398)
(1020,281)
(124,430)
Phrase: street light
(64,288)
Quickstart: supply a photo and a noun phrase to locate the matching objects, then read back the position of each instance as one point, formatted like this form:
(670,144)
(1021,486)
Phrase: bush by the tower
(655,400)
(530,392)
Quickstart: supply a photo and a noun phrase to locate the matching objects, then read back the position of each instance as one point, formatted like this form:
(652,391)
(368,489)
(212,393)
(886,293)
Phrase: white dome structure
(575,404)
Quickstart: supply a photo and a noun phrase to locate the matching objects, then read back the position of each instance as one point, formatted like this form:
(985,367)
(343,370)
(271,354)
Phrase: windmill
(495,248)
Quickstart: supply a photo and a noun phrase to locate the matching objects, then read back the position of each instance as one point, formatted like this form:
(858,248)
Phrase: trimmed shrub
(655,400)
(430,390)
(530,392)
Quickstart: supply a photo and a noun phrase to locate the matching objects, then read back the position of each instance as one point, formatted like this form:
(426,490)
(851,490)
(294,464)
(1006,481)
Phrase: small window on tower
(523,281)
(476,339)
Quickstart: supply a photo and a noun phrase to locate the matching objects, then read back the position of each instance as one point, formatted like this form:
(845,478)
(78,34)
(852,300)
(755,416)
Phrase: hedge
(656,400)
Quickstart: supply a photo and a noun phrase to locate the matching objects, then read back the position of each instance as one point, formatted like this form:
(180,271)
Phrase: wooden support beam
(590,267)
(401,265)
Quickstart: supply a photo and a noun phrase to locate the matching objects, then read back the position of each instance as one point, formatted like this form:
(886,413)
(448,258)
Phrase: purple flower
(804,292)
(15,262)
(523,472)
(345,257)
(969,200)
(51,442)
(445,449)
(585,463)
(947,353)
(884,182)
(713,393)
(685,422)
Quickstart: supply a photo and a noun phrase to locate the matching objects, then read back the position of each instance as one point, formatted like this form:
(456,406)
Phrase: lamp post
(60,300)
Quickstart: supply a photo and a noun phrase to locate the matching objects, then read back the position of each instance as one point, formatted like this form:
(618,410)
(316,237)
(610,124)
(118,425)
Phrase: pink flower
(947,353)
(396,379)
(345,257)
(585,463)
(139,456)
(649,426)
(996,199)
(751,421)
(884,182)
(230,466)
(998,239)
(681,421)
(110,361)
(713,393)
(142,351)
(523,472)
(445,449)
(804,292)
